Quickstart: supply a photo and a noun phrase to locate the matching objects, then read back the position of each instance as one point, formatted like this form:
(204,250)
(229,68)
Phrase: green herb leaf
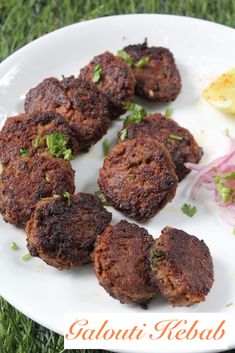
(233,231)
(156,255)
(189,210)
(229,304)
(125,56)
(142,62)
(57,146)
(106,147)
(37,141)
(168,112)
(224,192)
(230,175)
(123,133)
(24,153)
(138,112)
(176,137)
(97,72)
(26,257)
(67,195)
(14,246)
(102,198)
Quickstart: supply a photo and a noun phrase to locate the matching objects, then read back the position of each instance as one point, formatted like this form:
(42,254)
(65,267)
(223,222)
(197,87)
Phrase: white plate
(202,50)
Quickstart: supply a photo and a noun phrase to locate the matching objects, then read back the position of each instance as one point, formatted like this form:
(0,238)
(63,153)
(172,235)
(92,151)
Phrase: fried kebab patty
(138,178)
(27,180)
(116,80)
(22,131)
(121,262)
(62,231)
(179,141)
(79,102)
(159,78)
(182,267)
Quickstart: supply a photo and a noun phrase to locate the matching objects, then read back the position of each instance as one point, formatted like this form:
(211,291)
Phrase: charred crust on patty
(21,132)
(138,178)
(182,267)
(184,150)
(81,104)
(27,180)
(63,234)
(159,78)
(121,263)
(117,81)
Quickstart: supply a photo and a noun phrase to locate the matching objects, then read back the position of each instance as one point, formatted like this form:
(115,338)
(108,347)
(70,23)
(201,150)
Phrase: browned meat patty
(79,102)
(138,178)
(121,262)
(182,267)
(179,141)
(62,231)
(159,78)
(116,80)
(28,133)
(27,180)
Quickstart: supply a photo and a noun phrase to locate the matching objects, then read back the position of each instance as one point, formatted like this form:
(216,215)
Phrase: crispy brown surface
(117,80)
(159,79)
(63,235)
(159,127)
(183,270)
(27,180)
(21,131)
(121,263)
(138,178)
(79,102)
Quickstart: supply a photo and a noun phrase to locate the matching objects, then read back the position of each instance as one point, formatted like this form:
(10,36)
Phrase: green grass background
(21,21)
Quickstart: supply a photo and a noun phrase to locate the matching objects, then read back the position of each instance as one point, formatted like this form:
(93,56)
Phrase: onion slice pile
(219,178)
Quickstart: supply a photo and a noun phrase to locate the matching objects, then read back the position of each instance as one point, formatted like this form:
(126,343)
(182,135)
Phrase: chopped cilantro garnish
(138,112)
(189,210)
(233,231)
(125,56)
(24,153)
(176,137)
(168,112)
(230,175)
(67,195)
(97,72)
(106,147)
(14,246)
(229,304)
(57,146)
(143,61)
(123,133)
(155,255)
(37,141)
(102,198)
(26,257)
(223,191)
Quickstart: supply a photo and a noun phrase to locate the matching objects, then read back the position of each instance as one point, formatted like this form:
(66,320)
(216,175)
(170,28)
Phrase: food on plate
(62,230)
(155,71)
(31,133)
(112,77)
(26,180)
(182,267)
(179,141)
(218,177)
(221,92)
(79,102)
(138,178)
(121,263)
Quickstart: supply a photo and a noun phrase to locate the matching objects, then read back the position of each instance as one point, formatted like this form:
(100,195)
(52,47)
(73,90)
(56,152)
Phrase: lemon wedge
(221,92)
